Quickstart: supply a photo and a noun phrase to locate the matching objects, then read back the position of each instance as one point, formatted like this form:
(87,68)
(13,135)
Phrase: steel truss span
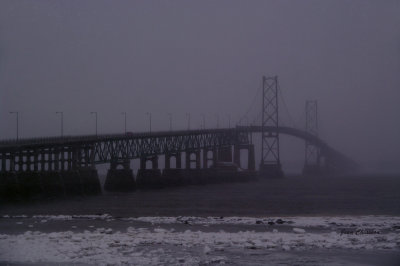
(68,153)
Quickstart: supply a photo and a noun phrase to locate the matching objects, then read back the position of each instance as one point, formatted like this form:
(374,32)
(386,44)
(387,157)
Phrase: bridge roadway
(75,151)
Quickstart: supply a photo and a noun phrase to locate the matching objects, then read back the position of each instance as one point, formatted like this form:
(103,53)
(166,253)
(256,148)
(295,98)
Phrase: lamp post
(170,121)
(149,114)
(124,113)
(217,116)
(62,122)
(17,116)
(95,113)
(188,116)
(229,119)
(204,121)
(247,121)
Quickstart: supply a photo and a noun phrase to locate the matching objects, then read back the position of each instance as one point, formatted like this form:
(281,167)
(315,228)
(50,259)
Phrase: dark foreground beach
(347,220)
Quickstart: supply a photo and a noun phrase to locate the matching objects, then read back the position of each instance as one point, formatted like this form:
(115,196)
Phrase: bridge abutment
(31,185)
(37,173)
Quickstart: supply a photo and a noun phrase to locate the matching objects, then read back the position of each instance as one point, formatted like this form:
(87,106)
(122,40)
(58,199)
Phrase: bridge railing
(102,137)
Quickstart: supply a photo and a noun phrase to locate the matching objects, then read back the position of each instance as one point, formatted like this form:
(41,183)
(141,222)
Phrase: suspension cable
(252,105)
(285,106)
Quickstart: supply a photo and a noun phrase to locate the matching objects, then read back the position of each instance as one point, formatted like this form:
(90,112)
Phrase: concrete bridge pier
(178,160)
(31,185)
(44,173)
(83,163)
(196,160)
(173,176)
(194,175)
(120,176)
(329,167)
(149,178)
(81,181)
(9,187)
(251,164)
(223,170)
(324,166)
(207,159)
(313,168)
(51,181)
(225,154)
(73,183)
(273,170)
(252,159)
(249,173)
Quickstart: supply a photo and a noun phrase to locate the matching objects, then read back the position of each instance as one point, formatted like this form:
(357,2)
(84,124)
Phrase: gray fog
(203,58)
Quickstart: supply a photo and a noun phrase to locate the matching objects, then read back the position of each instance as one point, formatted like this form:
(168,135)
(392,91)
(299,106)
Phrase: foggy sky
(202,57)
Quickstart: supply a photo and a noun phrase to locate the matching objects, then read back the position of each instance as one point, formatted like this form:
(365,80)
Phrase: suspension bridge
(67,164)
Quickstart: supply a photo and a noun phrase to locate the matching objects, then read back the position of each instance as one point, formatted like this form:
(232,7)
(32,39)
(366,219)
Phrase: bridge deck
(134,145)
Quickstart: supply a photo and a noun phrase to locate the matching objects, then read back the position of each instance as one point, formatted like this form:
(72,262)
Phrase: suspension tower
(312,153)
(270,165)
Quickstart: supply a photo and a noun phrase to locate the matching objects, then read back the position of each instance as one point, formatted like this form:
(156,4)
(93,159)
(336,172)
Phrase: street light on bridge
(124,113)
(247,121)
(62,122)
(170,121)
(95,113)
(217,116)
(188,116)
(229,119)
(204,121)
(17,116)
(149,114)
